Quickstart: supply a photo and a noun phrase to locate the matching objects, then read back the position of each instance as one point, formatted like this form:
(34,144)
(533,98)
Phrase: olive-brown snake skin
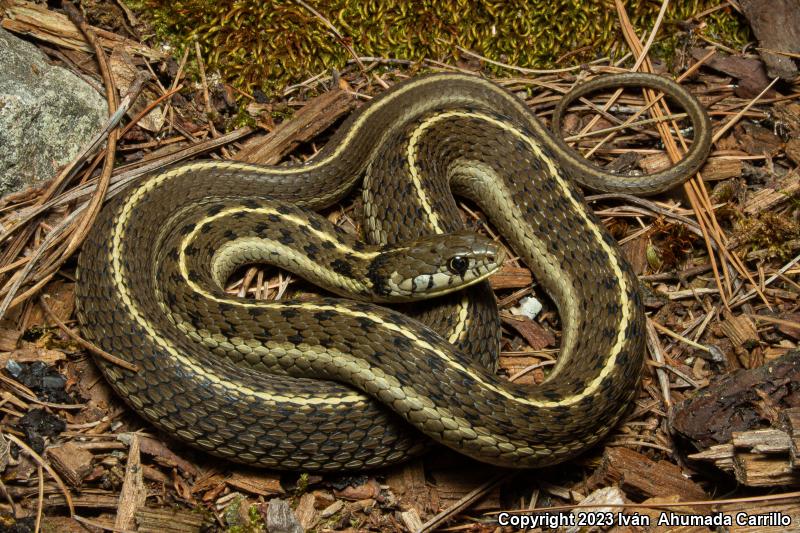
(334,384)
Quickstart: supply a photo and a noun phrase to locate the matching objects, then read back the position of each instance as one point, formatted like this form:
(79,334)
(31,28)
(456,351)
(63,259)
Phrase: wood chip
(510,277)
(763,441)
(260,483)
(71,461)
(9,339)
(534,333)
(407,482)
(370,489)
(758,470)
(637,474)
(411,520)
(790,419)
(31,354)
(306,512)
(332,509)
(151,520)
(775,23)
(166,457)
(717,169)
(45,24)
(740,401)
(134,492)
(454,484)
(740,330)
(316,116)
(770,197)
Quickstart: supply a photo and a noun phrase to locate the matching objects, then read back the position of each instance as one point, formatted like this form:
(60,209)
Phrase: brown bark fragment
(741,401)
(637,474)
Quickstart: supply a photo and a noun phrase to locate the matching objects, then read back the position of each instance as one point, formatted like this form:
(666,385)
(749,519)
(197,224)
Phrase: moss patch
(267,44)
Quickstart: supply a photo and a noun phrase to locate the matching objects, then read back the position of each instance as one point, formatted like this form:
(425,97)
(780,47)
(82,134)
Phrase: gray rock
(46,115)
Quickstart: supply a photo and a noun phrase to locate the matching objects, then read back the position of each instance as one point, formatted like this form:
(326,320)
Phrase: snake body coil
(232,376)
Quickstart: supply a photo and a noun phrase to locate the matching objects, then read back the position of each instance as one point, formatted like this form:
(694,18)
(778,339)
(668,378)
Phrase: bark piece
(313,118)
(510,277)
(740,330)
(42,23)
(749,72)
(167,521)
(134,491)
(71,461)
(637,474)
(718,168)
(759,470)
(260,483)
(533,332)
(741,401)
(776,24)
(408,483)
(306,513)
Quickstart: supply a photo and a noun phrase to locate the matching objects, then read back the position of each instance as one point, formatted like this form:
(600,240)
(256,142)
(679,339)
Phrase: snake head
(433,265)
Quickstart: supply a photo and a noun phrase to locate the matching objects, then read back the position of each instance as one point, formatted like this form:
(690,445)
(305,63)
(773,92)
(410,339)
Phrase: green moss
(268,43)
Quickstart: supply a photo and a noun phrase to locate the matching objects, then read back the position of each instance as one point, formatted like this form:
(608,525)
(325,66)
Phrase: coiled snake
(293,384)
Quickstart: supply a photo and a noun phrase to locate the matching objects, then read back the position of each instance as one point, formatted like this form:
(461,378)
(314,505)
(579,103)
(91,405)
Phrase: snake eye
(458,265)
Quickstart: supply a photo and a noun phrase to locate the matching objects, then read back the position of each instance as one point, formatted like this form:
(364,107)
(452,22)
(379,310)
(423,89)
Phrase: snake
(332,383)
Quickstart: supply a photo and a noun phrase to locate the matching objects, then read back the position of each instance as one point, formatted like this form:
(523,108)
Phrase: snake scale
(332,384)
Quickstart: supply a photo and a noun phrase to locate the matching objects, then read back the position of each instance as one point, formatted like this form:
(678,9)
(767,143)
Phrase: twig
(732,122)
(464,502)
(39,500)
(38,458)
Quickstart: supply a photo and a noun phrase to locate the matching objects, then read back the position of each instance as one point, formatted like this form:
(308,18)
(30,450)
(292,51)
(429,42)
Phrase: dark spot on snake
(251,203)
(172,301)
(230,234)
(359,246)
(322,316)
(187,229)
(194,276)
(551,394)
(286,237)
(296,339)
(190,250)
(205,228)
(214,210)
(284,209)
(315,223)
(225,307)
(289,313)
(272,217)
(238,215)
(311,249)
(328,245)
(256,312)
(402,343)
(261,228)
(365,322)
(342,267)
(174,255)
